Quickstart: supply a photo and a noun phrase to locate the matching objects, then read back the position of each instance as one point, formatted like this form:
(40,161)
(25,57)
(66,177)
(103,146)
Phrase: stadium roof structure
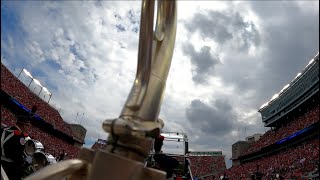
(76,124)
(206,153)
(102,141)
(286,87)
(175,143)
(35,80)
(41,114)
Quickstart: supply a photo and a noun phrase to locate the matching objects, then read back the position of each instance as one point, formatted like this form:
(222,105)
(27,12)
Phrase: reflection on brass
(130,133)
(57,171)
(154,60)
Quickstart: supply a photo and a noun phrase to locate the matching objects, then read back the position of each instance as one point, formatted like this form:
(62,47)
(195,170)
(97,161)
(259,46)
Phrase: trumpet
(142,107)
(131,134)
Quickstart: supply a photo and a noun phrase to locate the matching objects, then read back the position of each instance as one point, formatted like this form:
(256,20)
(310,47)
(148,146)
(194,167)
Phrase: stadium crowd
(15,88)
(291,163)
(275,135)
(204,165)
(7,117)
(49,141)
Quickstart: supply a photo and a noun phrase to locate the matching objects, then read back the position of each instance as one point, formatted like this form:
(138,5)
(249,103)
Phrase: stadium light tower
(28,74)
(49,97)
(49,93)
(37,82)
(30,82)
(43,88)
(40,90)
(20,72)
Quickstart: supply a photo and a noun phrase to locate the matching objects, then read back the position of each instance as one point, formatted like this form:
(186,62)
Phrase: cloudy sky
(229,58)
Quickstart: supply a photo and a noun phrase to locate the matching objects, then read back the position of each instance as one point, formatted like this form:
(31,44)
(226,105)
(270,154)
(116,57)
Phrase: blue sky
(229,59)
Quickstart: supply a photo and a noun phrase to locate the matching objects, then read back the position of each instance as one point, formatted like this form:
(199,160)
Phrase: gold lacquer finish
(58,171)
(154,59)
(129,140)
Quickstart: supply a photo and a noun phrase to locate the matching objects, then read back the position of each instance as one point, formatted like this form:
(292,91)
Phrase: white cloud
(89,63)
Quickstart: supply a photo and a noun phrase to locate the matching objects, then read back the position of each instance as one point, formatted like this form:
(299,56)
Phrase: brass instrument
(131,134)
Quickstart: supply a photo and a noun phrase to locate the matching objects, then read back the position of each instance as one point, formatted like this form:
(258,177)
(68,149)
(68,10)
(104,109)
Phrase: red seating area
(273,136)
(15,88)
(203,165)
(7,117)
(291,163)
(52,144)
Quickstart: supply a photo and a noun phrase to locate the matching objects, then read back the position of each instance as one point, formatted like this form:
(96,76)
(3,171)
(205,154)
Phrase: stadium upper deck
(291,147)
(299,90)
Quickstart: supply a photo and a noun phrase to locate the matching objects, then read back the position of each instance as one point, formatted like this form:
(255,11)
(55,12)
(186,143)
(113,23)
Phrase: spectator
(165,162)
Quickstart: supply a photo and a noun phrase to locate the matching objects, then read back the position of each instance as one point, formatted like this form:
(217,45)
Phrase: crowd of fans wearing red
(204,165)
(7,117)
(16,89)
(291,163)
(49,141)
(273,136)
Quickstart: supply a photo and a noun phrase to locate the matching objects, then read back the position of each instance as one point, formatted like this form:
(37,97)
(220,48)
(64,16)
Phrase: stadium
(289,150)
(48,127)
(38,143)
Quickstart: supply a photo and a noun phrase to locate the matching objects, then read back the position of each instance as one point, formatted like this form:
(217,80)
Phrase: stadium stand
(16,89)
(99,144)
(41,132)
(51,143)
(291,163)
(7,117)
(291,148)
(297,124)
(48,128)
(206,166)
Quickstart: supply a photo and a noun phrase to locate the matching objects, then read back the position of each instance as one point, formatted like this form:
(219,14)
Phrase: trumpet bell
(41,159)
(33,146)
